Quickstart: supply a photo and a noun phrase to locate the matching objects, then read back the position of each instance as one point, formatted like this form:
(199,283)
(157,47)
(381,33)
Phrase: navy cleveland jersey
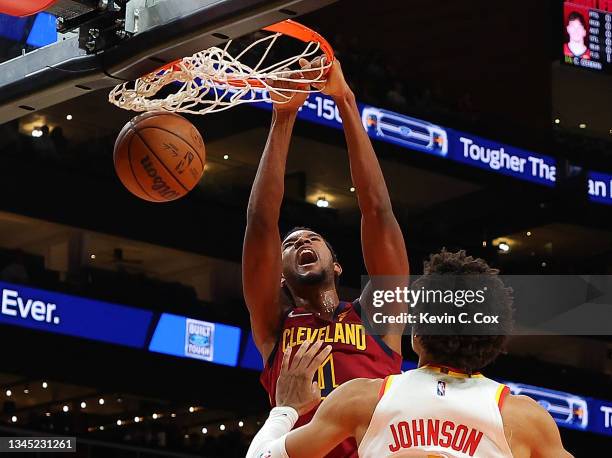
(355,354)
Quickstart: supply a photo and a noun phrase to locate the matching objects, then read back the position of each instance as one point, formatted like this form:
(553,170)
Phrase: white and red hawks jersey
(434,412)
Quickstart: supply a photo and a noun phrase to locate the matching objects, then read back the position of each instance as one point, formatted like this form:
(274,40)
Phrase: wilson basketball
(159,156)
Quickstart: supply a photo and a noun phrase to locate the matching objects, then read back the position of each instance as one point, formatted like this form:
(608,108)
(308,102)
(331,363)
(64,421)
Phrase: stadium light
(83,405)
(101,401)
(119,422)
(136,419)
(14,419)
(191,409)
(65,408)
(240,424)
(557,120)
(222,427)
(45,385)
(155,416)
(9,393)
(204,430)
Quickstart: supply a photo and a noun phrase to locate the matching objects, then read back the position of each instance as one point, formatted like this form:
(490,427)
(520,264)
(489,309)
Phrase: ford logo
(405,131)
(196,339)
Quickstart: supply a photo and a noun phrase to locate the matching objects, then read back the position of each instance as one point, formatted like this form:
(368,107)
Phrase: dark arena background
(99,286)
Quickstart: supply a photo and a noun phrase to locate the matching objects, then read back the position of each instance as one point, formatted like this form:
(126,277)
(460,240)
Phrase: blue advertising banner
(600,416)
(423,136)
(600,187)
(118,324)
(188,338)
(73,316)
(251,358)
(500,158)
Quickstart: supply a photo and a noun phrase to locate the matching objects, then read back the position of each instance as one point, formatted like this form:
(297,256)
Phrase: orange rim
(289,28)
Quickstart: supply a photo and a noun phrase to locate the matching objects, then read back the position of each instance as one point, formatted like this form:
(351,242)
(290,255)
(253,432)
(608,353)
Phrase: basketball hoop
(214,80)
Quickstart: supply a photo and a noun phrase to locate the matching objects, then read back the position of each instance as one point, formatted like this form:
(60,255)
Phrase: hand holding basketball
(295,387)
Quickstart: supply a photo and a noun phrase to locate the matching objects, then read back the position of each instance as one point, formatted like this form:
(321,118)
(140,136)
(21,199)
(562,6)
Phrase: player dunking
(433,411)
(290,284)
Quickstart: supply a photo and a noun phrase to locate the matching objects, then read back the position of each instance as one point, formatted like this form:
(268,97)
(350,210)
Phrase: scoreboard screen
(587,31)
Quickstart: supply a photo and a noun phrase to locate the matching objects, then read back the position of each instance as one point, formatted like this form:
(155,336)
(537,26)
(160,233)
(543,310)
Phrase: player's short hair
(462,350)
(576,16)
(304,228)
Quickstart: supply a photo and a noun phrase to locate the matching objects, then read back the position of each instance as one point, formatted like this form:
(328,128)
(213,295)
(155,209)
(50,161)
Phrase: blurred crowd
(157,437)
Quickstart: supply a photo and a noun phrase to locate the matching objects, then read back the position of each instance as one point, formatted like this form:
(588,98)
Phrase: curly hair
(464,345)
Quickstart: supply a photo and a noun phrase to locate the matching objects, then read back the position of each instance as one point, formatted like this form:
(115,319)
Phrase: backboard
(24,7)
(124,39)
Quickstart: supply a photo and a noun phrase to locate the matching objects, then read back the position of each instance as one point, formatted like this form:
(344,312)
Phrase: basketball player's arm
(346,412)
(384,250)
(533,432)
(261,254)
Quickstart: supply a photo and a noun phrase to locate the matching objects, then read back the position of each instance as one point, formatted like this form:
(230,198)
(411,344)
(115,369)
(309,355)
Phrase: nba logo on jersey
(441,387)
(199,339)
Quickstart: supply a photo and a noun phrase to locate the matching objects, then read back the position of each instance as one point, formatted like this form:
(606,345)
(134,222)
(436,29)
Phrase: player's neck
(322,303)
(577,47)
(425,360)
(428,361)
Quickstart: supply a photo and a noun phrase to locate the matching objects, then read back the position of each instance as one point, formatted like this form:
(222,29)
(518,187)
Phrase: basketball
(159,156)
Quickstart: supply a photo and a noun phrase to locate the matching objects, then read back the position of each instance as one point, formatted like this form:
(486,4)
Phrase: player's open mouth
(306,256)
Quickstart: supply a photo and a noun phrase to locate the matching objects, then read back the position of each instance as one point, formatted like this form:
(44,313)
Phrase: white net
(213,80)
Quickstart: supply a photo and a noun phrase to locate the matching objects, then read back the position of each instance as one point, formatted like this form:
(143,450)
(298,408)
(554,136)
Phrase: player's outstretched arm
(384,250)
(346,412)
(261,254)
(531,430)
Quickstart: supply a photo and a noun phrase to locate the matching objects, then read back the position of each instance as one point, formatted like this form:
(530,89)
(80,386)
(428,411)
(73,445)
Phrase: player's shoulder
(530,424)
(527,418)
(515,404)
(361,387)
(519,408)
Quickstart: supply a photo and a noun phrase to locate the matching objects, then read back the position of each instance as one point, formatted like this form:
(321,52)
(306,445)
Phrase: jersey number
(327,376)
